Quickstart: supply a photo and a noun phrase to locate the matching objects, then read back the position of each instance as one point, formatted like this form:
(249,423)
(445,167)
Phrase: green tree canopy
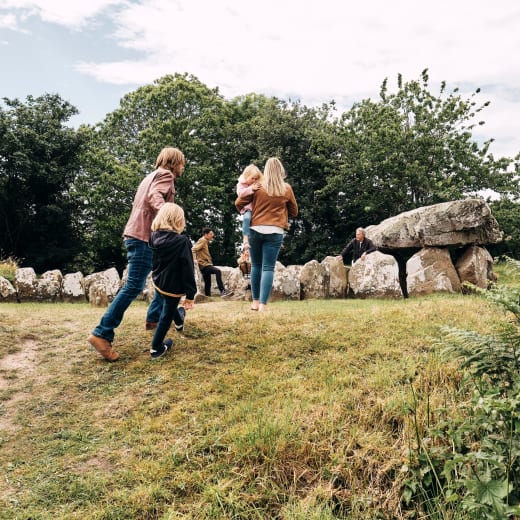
(38,165)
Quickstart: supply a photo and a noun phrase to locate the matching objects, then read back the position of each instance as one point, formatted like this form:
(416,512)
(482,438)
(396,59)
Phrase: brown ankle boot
(104,347)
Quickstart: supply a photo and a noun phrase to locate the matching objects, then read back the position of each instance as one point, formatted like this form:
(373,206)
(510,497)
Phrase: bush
(468,464)
(8,267)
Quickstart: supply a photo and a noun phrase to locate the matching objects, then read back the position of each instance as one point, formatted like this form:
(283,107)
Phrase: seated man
(360,247)
(202,256)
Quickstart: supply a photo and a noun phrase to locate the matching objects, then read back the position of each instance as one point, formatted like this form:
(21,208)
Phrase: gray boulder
(476,267)
(375,276)
(314,280)
(431,270)
(72,289)
(7,291)
(455,223)
(286,282)
(337,276)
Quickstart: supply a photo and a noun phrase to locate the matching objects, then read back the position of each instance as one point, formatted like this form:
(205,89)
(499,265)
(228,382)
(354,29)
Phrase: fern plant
(470,466)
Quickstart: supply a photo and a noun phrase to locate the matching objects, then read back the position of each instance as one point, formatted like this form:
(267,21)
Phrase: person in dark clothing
(360,247)
(202,257)
(173,273)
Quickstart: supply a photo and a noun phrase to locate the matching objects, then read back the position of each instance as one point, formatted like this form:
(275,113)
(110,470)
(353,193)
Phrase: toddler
(248,183)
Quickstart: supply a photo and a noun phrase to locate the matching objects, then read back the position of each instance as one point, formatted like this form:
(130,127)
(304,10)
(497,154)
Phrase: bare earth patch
(15,370)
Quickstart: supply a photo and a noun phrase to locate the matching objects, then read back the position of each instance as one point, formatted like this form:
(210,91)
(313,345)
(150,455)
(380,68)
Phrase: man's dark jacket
(358,248)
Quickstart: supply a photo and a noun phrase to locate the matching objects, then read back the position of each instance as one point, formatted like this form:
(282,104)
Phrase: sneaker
(104,347)
(226,292)
(182,312)
(159,352)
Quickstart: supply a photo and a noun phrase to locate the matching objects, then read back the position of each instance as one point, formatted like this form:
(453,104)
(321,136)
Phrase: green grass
(299,413)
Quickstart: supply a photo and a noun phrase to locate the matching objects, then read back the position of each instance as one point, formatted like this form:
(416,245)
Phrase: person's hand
(339,257)
(255,186)
(188,304)
(363,256)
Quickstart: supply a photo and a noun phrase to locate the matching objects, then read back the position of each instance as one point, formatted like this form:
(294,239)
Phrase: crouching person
(173,273)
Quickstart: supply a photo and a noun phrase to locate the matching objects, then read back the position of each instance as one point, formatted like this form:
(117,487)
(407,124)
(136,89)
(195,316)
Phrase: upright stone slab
(431,270)
(476,267)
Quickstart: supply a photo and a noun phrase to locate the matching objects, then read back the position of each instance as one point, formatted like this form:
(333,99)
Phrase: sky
(92,52)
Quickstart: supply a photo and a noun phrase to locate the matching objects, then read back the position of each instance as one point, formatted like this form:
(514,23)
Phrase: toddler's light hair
(251,170)
(169,218)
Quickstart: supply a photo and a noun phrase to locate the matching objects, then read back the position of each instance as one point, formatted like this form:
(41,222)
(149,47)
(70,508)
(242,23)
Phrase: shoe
(157,353)
(150,325)
(104,347)
(182,312)
(226,292)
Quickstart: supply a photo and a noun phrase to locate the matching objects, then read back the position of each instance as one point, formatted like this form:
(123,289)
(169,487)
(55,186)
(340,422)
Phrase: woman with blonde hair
(273,205)
(173,273)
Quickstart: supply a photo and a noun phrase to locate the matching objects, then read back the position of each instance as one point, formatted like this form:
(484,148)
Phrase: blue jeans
(246,223)
(139,257)
(264,253)
(169,313)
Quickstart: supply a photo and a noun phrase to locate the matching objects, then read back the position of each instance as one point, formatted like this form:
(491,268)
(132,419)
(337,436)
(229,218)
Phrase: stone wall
(431,249)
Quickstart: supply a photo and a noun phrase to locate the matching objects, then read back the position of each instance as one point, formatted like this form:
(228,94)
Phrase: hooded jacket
(173,273)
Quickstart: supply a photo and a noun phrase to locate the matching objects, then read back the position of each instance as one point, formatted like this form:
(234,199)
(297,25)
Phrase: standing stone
(26,284)
(431,270)
(476,267)
(337,275)
(286,282)
(72,289)
(375,276)
(7,291)
(314,280)
(49,286)
(109,279)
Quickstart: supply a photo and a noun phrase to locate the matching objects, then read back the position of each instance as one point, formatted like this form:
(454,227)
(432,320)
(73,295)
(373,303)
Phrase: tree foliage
(406,149)
(38,166)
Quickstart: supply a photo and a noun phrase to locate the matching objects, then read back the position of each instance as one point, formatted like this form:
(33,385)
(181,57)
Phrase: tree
(38,165)
(174,111)
(411,149)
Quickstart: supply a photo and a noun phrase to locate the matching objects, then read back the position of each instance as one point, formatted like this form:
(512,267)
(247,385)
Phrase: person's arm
(346,251)
(242,201)
(292,205)
(160,190)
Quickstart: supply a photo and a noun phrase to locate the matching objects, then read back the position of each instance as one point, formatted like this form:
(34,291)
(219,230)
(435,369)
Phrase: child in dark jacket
(173,273)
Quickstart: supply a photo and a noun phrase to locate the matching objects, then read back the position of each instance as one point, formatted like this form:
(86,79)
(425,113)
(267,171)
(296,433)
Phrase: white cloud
(314,51)
(70,13)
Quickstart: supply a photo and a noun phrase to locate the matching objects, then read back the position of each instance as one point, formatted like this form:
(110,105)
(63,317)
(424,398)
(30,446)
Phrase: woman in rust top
(273,205)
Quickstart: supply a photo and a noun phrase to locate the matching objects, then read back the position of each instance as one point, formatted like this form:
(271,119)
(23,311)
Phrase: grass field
(303,412)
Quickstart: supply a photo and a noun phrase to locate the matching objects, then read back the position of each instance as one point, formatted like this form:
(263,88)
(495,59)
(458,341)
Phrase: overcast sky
(92,52)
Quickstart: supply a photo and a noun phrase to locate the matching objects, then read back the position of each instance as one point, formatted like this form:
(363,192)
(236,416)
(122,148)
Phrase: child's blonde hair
(251,170)
(169,218)
(274,175)
(170,158)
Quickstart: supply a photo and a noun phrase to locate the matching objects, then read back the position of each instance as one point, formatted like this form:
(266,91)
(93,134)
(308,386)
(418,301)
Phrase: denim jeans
(264,253)
(246,223)
(169,313)
(139,257)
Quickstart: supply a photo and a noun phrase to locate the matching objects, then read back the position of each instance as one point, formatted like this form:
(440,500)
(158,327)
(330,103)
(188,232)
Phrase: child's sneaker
(157,353)
(182,312)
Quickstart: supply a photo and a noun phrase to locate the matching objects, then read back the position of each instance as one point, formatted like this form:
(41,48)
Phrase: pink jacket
(244,189)
(155,189)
